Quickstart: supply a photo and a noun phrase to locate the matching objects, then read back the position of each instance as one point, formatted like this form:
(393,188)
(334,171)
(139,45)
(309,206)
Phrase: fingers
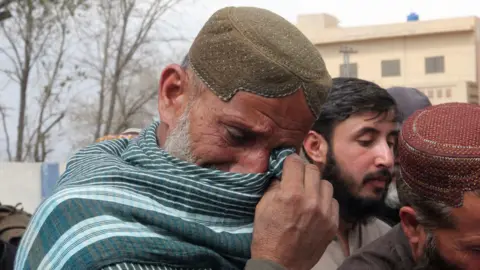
(293,174)
(328,202)
(312,181)
(335,214)
(302,179)
(326,193)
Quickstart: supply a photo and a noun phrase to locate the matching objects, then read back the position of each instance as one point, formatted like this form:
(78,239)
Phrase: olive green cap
(254,50)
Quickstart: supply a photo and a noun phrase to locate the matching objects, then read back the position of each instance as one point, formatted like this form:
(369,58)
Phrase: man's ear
(172,93)
(316,148)
(413,230)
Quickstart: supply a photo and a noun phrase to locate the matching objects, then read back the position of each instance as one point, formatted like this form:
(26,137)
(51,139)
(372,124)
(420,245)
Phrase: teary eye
(475,250)
(239,136)
(235,133)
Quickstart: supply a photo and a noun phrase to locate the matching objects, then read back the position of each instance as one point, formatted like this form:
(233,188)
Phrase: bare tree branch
(103,73)
(3,115)
(124,55)
(126,9)
(4,3)
(5,14)
(122,58)
(17,57)
(47,96)
(36,38)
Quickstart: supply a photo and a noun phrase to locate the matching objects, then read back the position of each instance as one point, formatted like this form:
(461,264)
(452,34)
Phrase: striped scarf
(127,201)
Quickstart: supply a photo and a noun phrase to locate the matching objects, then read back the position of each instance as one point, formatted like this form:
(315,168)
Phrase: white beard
(178,142)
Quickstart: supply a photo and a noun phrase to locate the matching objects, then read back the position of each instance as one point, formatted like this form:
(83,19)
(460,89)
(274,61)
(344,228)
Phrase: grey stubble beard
(178,142)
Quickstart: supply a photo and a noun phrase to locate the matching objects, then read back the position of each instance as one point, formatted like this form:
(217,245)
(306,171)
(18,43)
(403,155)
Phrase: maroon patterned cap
(439,152)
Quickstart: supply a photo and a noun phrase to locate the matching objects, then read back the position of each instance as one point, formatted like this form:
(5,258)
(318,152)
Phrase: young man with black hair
(408,100)
(439,189)
(352,141)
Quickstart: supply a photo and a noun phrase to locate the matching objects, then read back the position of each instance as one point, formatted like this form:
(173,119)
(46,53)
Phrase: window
(351,72)
(439,93)
(434,64)
(390,68)
(473,98)
(448,93)
(430,94)
(472,93)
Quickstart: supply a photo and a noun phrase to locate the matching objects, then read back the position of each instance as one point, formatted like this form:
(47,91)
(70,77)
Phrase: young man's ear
(413,230)
(172,93)
(316,148)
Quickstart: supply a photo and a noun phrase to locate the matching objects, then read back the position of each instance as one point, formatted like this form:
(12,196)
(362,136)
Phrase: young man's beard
(353,208)
(432,259)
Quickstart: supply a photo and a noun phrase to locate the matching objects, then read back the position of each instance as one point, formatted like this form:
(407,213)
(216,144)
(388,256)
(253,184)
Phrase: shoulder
(380,226)
(370,257)
(381,254)
(364,262)
(74,219)
(94,161)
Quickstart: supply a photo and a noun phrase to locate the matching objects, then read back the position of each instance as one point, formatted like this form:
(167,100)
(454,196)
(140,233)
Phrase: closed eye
(239,136)
(475,250)
(365,143)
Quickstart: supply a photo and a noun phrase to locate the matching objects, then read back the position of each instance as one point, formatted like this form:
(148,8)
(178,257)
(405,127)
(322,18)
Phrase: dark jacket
(389,252)
(7,255)
(389,215)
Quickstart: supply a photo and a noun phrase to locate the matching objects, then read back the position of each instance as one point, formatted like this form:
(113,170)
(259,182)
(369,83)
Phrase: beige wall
(457,39)
(437,94)
(20,183)
(459,50)
(322,28)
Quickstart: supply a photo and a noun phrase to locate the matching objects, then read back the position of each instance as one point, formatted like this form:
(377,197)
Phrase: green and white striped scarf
(128,202)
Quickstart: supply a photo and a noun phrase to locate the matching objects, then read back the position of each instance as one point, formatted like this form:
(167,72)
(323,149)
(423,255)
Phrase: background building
(28,183)
(439,57)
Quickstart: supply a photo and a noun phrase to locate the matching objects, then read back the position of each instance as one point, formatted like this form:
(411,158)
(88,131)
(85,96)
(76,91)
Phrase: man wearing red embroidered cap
(439,152)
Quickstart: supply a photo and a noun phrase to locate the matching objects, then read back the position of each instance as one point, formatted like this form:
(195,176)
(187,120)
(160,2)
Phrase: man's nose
(252,162)
(384,157)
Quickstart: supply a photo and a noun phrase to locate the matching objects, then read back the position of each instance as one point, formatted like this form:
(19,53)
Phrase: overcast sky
(349,12)
(353,12)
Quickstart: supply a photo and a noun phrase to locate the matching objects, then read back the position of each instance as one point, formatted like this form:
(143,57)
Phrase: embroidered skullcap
(439,152)
(408,100)
(257,51)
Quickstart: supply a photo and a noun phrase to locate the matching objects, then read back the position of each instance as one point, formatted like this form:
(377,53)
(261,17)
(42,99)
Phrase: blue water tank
(412,17)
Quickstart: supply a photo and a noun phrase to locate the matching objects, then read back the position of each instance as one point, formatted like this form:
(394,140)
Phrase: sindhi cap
(257,51)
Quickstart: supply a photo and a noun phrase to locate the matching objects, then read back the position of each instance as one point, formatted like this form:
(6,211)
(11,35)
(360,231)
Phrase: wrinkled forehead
(288,113)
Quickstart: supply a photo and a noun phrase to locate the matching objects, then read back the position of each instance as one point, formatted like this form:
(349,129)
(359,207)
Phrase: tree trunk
(27,50)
